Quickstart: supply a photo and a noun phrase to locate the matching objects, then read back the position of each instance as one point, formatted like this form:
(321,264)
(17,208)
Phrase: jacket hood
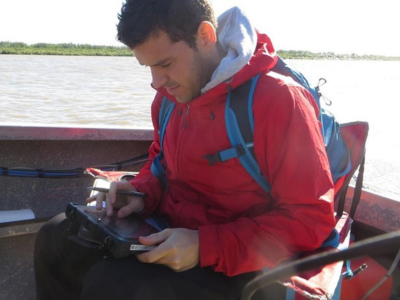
(248,52)
(238,38)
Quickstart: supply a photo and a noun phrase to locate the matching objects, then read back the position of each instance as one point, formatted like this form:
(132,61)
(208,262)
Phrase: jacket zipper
(179,151)
(186,116)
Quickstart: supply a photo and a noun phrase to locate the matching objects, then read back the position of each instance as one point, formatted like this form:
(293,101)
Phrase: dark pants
(66,270)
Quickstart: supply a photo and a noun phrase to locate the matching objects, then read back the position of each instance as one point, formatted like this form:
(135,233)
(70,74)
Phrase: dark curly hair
(180,19)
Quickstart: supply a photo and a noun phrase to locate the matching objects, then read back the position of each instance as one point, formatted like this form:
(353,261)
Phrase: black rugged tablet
(94,229)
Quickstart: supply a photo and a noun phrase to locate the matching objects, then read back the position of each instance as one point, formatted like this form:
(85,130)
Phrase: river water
(115,91)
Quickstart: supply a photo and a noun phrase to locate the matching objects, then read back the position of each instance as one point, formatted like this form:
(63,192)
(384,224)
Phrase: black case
(93,229)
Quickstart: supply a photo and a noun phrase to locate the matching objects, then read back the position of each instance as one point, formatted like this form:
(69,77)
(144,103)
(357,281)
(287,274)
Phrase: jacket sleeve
(145,181)
(291,154)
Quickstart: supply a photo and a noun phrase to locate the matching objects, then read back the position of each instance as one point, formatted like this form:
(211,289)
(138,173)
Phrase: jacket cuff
(209,246)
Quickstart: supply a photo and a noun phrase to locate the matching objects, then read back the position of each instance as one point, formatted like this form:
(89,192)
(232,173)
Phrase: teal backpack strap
(239,123)
(156,167)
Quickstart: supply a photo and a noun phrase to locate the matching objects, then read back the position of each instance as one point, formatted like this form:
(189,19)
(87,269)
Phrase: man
(223,227)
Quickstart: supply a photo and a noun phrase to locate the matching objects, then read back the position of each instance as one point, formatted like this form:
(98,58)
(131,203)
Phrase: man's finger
(91,199)
(155,238)
(118,185)
(135,205)
(109,206)
(158,253)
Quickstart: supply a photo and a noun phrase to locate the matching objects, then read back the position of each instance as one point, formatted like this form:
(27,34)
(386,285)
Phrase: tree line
(18,48)
(62,49)
(291,54)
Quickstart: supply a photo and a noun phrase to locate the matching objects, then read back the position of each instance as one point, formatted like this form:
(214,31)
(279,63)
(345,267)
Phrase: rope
(68,173)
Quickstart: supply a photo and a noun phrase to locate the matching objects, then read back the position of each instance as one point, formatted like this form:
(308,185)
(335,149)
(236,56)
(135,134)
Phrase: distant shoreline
(10,48)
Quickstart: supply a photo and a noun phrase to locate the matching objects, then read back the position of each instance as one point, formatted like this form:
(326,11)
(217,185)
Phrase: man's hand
(126,205)
(177,249)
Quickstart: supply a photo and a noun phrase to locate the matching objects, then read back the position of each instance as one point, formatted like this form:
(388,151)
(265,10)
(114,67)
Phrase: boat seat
(355,136)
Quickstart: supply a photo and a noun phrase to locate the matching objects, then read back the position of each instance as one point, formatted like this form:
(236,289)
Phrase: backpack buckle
(240,150)
(212,158)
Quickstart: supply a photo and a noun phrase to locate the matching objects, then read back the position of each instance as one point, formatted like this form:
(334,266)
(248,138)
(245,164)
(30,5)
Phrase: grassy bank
(91,50)
(62,49)
(333,56)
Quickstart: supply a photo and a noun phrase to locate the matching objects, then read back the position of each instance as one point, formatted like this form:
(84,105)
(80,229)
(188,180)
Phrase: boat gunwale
(24,132)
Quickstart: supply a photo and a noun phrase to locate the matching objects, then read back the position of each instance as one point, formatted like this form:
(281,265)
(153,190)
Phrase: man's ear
(206,34)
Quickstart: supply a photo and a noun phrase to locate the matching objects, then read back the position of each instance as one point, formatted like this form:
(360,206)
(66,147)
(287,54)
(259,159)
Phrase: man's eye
(166,65)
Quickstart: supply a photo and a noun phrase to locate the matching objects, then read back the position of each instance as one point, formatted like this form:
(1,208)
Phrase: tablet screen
(130,227)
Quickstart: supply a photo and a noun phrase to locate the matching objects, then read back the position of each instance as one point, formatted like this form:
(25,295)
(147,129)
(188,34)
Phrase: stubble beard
(201,76)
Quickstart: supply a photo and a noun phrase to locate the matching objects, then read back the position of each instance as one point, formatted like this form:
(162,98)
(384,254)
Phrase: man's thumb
(155,238)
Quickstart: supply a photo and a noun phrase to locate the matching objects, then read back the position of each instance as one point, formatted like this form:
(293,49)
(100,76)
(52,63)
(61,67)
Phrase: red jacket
(241,227)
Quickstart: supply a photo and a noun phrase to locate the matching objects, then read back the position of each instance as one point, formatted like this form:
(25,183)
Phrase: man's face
(175,66)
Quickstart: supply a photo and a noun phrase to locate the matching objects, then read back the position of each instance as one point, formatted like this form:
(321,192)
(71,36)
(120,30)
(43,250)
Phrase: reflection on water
(115,91)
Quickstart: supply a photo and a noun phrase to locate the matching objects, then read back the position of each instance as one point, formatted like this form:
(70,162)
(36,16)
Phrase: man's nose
(159,78)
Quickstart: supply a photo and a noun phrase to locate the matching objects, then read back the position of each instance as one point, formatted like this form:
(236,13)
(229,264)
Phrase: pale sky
(340,26)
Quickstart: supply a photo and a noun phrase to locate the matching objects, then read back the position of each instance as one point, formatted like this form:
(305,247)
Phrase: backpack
(240,127)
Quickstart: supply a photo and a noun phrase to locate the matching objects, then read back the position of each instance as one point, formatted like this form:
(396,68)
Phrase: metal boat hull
(58,148)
